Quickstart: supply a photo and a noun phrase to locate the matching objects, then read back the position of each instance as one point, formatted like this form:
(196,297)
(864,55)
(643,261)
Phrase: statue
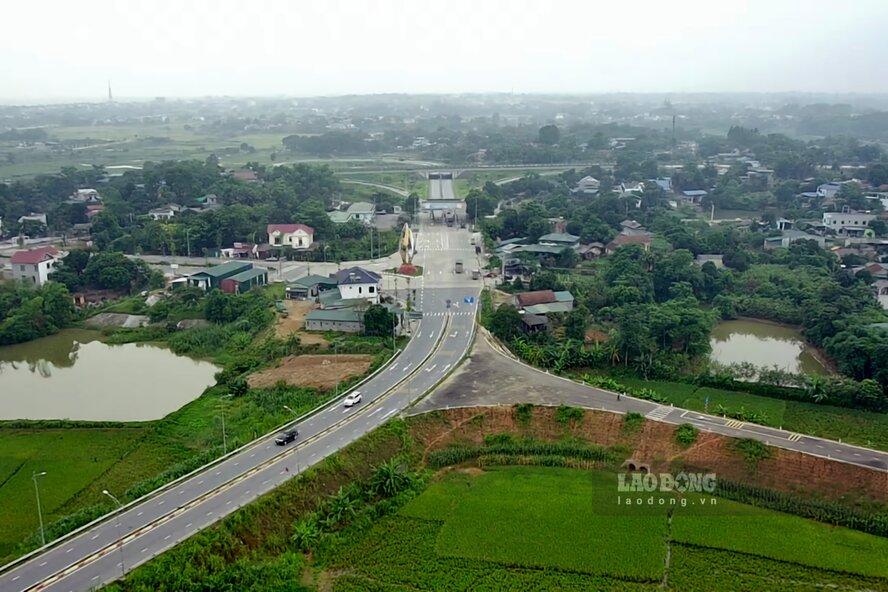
(407,248)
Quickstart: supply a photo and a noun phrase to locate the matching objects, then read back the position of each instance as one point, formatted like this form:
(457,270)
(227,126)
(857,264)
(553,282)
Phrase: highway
(94,557)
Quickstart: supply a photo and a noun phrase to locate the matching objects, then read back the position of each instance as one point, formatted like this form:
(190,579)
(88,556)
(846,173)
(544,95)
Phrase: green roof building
(244,281)
(211,278)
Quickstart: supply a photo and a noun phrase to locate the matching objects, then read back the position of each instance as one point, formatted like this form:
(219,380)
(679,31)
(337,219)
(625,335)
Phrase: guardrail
(163,488)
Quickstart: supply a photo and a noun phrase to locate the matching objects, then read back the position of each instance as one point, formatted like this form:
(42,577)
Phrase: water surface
(764,345)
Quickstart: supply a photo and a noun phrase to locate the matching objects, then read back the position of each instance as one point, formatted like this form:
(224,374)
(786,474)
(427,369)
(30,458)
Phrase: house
(543,301)
(716,260)
(244,281)
(588,185)
(361,211)
(32,217)
(205,202)
(664,183)
(356,283)
(880,288)
(92,210)
(783,224)
(559,239)
(246,175)
(85,196)
(532,323)
(246,251)
(628,239)
(162,213)
(34,266)
(347,320)
(847,223)
(627,189)
(590,251)
(631,225)
(694,196)
(309,286)
(212,277)
(297,236)
(828,190)
(788,237)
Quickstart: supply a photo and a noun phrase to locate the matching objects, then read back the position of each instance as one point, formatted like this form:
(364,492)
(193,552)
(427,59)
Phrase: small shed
(534,323)
(244,281)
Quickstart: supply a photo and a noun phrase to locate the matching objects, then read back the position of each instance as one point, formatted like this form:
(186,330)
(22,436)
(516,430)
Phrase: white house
(356,283)
(297,236)
(847,223)
(32,217)
(163,212)
(34,266)
(588,185)
(828,190)
(85,196)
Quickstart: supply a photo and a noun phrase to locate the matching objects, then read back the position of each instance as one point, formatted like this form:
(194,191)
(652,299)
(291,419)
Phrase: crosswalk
(659,413)
(461,313)
(733,423)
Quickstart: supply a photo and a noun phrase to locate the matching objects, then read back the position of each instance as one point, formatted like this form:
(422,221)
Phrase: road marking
(247,492)
(145,550)
(139,514)
(432,367)
(167,537)
(210,513)
(188,525)
(95,577)
(69,550)
(818,446)
(794,437)
(237,464)
(95,536)
(15,578)
(375,412)
(266,481)
(444,369)
(392,412)
(218,473)
(394,367)
(856,454)
(181,491)
(228,503)
(406,368)
(252,455)
(42,564)
(733,423)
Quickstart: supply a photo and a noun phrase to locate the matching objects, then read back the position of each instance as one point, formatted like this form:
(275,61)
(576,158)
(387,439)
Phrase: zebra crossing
(733,423)
(794,437)
(461,313)
(659,413)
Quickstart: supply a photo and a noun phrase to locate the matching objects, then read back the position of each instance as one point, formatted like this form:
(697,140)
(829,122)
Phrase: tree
(378,321)
(549,135)
(505,323)
(389,479)
(575,325)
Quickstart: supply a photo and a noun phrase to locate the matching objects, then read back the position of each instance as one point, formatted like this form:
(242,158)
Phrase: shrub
(523,412)
(686,434)
(632,422)
(753,451)
(566,414)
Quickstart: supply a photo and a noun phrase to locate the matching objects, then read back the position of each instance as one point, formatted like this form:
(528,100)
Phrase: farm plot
(320,372)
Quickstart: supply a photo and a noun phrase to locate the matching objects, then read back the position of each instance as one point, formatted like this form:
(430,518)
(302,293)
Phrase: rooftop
(225,269)
(249,274)
(289,228)
(537,297)
(34,255)
(559,237)
(357,275)
(342,315)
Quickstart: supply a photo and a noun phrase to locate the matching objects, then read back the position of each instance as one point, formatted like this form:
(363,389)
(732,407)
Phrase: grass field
(72,459)
(532,528)
(837,423)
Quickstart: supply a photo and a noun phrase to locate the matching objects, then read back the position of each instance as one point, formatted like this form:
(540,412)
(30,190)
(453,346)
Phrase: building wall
(369,292)
(37,274)
(344,326)
(298,240)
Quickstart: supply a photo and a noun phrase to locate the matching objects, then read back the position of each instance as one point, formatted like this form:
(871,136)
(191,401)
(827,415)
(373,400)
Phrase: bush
(523,412)
(566,414)
(753,451)
(686,434)
(632,422)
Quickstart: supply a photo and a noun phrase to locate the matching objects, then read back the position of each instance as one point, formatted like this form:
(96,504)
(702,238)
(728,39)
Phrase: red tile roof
(246,175)
(534,298)
(34,255)
(289,228)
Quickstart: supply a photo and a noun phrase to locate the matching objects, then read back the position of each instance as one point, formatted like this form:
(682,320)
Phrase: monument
(407,248)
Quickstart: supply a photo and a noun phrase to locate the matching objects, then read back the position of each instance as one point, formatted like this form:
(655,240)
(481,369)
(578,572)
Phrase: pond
(764,345)
(73,375)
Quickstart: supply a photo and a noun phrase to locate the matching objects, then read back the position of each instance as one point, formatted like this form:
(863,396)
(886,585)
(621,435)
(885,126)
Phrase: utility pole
(222,413)
(34,476)
(188,241)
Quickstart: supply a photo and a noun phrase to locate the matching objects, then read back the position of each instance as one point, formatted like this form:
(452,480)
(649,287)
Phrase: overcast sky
(64,49)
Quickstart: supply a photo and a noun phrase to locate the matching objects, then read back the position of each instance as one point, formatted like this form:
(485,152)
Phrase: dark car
(286,437)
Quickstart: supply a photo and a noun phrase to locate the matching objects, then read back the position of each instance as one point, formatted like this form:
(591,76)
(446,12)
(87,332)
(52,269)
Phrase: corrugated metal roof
(342,315)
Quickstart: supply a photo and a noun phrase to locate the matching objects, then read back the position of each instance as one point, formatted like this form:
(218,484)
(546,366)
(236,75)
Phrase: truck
(459,266)
(449,217)
(476,274)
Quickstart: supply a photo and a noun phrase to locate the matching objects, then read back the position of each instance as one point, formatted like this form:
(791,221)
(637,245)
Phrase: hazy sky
(54,49)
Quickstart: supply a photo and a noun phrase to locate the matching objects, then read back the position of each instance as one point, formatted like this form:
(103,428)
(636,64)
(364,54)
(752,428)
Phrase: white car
(352,399)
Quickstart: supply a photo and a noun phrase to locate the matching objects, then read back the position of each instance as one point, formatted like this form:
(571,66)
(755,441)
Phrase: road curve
(95,557)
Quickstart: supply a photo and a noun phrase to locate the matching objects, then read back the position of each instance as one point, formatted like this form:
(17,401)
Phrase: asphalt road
(441,189)
(516,382)
(95,557)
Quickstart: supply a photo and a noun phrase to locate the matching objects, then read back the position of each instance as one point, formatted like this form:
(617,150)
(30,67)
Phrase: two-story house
(34,266)
(297,236)
(356,283)
(87,196)
(847,223)
(588,185)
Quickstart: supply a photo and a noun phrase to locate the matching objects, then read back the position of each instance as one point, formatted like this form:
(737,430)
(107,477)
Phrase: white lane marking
(200,482)
(444,369)
(139,514)
(856,454)
(145,550)
(15,578)
(252,455)
(432,367)
(218,473)
(247,492)
(228,503)
(95,536)
(95,577)
(394,367)
(167,537)
(42,564)
(237,464)
(210,513)
(161,502)
(392,412)
(375,412)
(181,491)
(69,550)
(406,368)
(431,334)
(188,525)
(266,481)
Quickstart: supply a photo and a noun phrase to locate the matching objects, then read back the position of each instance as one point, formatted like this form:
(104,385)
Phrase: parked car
(286,437)
(352,399)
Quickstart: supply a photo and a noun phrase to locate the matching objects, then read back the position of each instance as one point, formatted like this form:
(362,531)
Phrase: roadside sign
(469,300)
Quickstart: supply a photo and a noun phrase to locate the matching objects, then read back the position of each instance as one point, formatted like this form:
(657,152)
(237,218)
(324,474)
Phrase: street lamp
(224,435)
(119,537)
(34,476)
(295,448)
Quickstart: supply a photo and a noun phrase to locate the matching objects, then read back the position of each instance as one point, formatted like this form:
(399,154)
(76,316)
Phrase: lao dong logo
(666,482)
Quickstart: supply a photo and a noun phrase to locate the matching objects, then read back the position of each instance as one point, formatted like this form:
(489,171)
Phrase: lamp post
(119,537)
(222,413)
(34,476)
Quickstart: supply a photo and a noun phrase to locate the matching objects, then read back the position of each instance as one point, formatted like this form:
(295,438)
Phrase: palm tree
(306,535)
(389,479)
